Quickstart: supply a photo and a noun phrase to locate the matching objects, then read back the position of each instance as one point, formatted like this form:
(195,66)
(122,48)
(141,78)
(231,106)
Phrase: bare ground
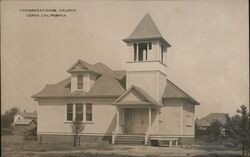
(14,146)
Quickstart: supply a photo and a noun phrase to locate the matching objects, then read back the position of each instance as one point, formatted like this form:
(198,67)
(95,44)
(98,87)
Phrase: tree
(215,130)
(8,117)
(237,128)
(30,135)
(77,127)
(198,130)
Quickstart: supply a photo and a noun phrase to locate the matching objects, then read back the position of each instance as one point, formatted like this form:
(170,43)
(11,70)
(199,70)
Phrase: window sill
(86,122)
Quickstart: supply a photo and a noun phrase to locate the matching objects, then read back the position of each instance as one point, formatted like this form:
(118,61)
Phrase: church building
(137,105)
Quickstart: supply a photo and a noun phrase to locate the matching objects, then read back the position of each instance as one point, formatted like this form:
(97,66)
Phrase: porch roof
(140,97)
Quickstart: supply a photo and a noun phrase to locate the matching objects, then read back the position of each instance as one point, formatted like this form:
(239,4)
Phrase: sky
(209,57)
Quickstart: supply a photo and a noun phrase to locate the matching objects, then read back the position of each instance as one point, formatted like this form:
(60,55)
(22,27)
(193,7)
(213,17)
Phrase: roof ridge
(146,29)
(85,65)
(106,69)
(116,82)
(148,18)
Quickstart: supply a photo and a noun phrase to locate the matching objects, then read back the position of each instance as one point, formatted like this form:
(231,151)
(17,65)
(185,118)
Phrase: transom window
(79,112)
(79,81)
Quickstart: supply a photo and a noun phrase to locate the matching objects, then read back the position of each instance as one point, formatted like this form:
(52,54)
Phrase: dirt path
(136,151)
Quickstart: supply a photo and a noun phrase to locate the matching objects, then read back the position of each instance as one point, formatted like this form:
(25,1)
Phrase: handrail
(146,137)
(114,134)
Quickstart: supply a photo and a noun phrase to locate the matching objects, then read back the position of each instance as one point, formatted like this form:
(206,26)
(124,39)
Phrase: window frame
(86,112)
(79,82)
(136,51)
(74,112)
(80,111)
(162,53)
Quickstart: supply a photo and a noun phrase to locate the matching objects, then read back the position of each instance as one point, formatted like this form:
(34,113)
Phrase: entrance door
(136,121)
(140,121)
(128,121)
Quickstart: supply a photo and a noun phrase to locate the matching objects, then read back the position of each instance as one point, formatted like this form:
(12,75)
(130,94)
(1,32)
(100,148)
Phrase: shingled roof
(173,92)
(206,121)
(81,65)
(146,30)
(31,115)
(24,122)
(107,85)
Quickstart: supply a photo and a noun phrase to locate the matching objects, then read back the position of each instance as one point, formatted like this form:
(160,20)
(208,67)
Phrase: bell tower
(147,64)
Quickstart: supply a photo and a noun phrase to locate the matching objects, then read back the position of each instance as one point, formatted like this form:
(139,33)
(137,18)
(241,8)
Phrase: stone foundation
(68,139)
(186,141)
(181,141)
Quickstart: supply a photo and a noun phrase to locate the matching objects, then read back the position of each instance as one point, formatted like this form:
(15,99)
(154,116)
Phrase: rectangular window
(88,112)
(69,112)
(150,46)
(79,81)
(135,51)
(79,112)
(162,50)
(142,51)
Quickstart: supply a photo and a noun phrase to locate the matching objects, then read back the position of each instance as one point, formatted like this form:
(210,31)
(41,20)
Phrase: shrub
(30,135)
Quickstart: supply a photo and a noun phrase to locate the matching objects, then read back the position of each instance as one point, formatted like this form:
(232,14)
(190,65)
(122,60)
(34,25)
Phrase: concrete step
(130,142)
(118,137)
(130,139)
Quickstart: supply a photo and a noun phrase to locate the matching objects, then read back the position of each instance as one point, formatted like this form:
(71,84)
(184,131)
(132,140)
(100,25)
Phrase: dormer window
(83,76)
(80,82)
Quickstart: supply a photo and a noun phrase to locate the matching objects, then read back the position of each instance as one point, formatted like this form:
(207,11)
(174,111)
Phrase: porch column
(149,120)
(117,118)
(144,55)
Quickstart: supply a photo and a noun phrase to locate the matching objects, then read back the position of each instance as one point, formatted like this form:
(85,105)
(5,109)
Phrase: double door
(136,121)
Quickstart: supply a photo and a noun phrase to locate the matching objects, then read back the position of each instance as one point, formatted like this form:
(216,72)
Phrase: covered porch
(136,114)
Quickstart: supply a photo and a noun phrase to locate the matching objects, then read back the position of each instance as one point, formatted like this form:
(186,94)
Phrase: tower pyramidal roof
(146,30)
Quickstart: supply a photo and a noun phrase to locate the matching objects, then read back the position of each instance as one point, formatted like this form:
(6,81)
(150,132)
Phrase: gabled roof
(206,121)
(146,98)
(104,86)
(107,85)
(24,122)
(31,115)
(103,69)
(146,30)
(173,92)
(83,66)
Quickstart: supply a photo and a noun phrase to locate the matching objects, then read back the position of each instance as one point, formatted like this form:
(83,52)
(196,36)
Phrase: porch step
(130,139)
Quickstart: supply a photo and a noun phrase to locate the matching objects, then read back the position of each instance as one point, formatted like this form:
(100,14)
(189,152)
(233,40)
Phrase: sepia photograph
(154,78)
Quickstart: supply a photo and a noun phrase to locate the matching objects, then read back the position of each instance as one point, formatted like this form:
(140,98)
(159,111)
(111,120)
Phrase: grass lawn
(15,146)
